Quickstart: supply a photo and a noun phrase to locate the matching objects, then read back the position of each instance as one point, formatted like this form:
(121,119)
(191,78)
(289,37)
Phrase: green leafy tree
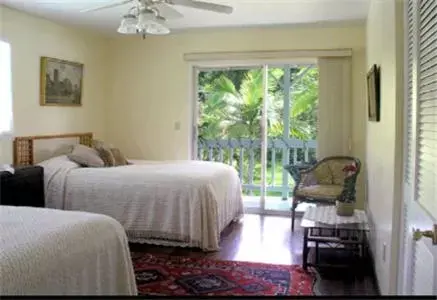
(230,106)
(230,112)
(303,110)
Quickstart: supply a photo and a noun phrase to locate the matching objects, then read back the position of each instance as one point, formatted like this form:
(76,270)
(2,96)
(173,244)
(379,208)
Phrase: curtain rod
(266,55)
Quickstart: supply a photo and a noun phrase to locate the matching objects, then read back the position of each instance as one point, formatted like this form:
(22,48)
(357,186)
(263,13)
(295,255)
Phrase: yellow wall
(31,37)
(135,90)
(150,82)
(5,142)
(384,139)
(139,88)
(143,85)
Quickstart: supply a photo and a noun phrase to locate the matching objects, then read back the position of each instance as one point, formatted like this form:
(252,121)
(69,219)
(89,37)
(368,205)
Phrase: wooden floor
(268,239)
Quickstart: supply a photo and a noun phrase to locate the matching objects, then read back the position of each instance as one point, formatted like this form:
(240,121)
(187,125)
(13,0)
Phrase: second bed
(172,203)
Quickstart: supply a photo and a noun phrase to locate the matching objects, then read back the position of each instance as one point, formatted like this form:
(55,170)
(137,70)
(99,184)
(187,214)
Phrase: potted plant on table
(345,203)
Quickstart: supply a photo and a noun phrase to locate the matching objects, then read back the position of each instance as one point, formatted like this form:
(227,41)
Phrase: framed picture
(373,93)
(61,82)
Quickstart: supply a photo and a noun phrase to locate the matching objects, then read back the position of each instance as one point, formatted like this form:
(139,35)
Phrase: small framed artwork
(61,82)
(373,93)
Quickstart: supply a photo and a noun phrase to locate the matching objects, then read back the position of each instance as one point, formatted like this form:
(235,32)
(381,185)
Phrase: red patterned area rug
(184,276)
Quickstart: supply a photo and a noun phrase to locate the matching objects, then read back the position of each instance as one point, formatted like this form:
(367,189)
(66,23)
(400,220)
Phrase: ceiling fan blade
(107,6)
(203,5)
(168,12)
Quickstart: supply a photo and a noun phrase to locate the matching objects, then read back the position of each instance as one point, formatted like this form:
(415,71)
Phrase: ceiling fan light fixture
(157,29)
(128,25)
(144,18)
(151,24)
(150,16)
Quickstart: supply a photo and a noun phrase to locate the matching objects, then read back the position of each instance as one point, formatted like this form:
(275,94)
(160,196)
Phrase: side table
(324,229)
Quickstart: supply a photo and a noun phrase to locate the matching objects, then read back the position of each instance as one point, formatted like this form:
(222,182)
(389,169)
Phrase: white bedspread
(53,252)
(180,203)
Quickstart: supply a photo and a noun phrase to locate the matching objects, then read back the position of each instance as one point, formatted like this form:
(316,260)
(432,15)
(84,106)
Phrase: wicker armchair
(323,181)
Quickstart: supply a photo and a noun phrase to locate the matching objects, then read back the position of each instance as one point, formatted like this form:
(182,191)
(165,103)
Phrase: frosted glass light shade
(157,29)
(128,25)
(148,23)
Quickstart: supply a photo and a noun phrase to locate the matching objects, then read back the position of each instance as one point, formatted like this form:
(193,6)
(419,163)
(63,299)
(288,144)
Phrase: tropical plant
(230,112)
(303,108)
(230,106)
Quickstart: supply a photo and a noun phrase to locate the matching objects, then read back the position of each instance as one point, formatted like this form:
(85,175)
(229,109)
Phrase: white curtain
(5,104)
(334,111)
(5,89)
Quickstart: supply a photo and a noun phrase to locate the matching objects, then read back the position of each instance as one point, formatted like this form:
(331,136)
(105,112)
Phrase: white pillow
(86,156)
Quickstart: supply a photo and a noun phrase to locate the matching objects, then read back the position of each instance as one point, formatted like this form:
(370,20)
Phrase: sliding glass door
(243,119)
(291,128)
(229,124)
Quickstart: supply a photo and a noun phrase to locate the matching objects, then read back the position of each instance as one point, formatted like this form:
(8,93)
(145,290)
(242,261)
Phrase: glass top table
(324,228)
(325,216)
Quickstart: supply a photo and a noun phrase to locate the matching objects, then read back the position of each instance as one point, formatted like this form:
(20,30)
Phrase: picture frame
(373,94)
(61,82)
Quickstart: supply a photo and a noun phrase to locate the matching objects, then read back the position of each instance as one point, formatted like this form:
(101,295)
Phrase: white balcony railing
(245,155)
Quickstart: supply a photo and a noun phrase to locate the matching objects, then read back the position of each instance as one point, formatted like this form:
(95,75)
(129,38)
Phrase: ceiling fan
(149,16)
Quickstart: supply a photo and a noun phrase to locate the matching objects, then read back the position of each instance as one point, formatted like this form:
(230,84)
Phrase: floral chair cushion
(323,174)
(331,171)
(331,191)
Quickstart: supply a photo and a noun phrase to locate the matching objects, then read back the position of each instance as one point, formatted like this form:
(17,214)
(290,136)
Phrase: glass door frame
(194,69)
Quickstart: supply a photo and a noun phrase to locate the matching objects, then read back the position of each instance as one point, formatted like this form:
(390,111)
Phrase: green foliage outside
(230,106)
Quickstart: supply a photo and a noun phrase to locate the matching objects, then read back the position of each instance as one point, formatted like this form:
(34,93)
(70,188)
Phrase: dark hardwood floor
(268,239)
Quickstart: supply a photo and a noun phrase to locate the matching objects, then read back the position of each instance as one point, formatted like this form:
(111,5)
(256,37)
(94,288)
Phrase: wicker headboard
(24,145)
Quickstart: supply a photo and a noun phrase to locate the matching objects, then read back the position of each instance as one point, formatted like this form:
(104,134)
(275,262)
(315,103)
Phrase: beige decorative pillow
(63,150)
(86,156)
(104,152)
(120,159)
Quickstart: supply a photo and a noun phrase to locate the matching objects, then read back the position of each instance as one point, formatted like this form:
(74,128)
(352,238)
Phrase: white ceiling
(246,13)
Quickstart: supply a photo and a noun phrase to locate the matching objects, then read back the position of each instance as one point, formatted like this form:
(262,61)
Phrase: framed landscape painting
(61,82)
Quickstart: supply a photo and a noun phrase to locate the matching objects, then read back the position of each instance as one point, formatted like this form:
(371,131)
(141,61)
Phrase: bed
(170,203)
(53,252)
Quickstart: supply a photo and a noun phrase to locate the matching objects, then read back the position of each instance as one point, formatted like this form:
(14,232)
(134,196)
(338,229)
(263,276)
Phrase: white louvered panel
(426,44)
(426,25)
(430,72)
(427,155)
(429,103)
(429,79)
(427,159)
(427,127)
(431,138)
(427,92)
(427,34)
(427,180)
(427,107)
(424,271)
(426,3)
(427,110)
(419,259)
(427,11)
(408,173)
(408,245)
(427,139)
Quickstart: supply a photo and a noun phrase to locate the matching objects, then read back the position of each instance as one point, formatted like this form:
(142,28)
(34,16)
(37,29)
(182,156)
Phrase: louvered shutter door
(427,106)
(410,144)
(410,109)
(418,263)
